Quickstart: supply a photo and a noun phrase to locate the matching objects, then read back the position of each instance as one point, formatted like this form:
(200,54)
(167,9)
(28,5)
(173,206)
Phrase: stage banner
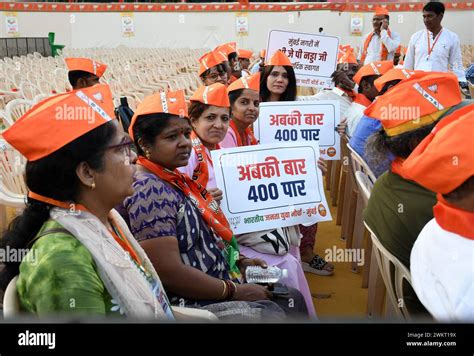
(314,57)
(270,186)
(301,122)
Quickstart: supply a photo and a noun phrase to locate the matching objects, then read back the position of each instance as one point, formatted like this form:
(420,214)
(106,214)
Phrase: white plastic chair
(393,274)
(28,91)
(16,109)
(12,183)
(11,307)
(359,164)
(365,185)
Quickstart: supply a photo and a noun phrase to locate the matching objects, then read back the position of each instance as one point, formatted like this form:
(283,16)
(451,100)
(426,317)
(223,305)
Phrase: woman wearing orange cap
(210,118)
(244,101)
(278,82)
(180,225)
(212,69)
(81,253)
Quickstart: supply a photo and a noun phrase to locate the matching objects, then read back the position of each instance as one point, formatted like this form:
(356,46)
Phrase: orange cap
(244,53)
(444,159)
(373,68)
(209,60)
(227,48)
(379,11)
(263,53)
(214,94)
(279,59)
(170,102)
(220,56)
(395,74)
(346,55)
(415,102)
(250,82)
(59,120)
(86,65)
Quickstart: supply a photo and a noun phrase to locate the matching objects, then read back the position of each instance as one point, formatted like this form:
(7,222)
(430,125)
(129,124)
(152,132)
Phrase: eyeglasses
(125,147)
(214,76)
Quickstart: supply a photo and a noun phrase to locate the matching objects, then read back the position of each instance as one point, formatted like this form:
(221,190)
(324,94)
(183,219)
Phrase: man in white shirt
(382,43)
(435,49)
(347,67)
(260,63)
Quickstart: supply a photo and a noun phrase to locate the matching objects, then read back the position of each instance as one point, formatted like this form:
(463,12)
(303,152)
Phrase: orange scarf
(452,219)
(397,166)
(251,140)
(197,193)
(205,204)
(201,172)
(383,50)
(362,100)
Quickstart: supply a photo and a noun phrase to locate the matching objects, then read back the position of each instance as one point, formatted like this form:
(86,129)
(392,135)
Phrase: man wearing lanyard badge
(435,49)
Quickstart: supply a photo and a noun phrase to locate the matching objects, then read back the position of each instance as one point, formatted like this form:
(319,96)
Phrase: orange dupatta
(201,172)
(251,140)
(383,50)
(204,203)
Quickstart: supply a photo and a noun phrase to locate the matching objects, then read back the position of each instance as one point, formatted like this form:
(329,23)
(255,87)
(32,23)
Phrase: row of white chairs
(388,268)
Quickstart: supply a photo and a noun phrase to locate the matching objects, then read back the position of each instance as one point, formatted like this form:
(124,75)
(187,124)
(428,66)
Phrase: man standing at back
(382,43)
(435,49)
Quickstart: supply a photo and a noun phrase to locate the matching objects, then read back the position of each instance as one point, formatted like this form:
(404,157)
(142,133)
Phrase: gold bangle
(224,292)
(235,286)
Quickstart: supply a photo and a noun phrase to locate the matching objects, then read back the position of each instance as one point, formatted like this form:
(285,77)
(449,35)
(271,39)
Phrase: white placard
(302,122)
(314,57)
(270,186)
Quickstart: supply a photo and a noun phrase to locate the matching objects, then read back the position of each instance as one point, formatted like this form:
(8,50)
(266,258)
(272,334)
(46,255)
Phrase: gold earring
(93,185)
(147,154)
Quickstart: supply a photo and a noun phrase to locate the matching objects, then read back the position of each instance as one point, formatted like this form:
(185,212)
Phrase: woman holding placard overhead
(278,83)
(244,101)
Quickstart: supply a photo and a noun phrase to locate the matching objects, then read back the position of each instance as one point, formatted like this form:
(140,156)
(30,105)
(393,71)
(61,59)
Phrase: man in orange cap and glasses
(382,43)
(436,48)
(84,72)
(398,208)
(444,163)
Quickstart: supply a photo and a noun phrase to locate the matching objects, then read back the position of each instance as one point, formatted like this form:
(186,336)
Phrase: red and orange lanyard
(430,48)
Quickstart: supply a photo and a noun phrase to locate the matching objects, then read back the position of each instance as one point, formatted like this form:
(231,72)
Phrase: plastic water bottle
(257,274)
